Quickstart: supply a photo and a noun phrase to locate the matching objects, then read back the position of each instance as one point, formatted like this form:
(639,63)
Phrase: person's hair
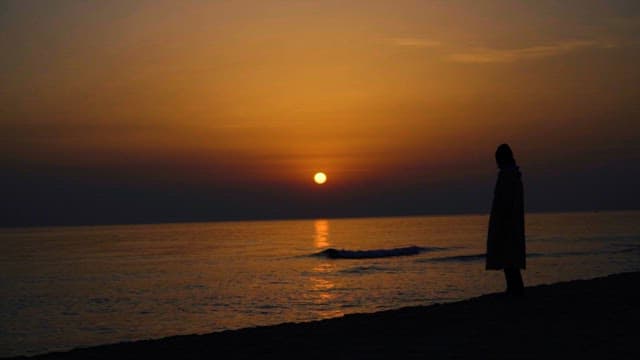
(504,157)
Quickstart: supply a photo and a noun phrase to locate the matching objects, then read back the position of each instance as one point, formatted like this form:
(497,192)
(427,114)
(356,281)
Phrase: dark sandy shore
(594,319)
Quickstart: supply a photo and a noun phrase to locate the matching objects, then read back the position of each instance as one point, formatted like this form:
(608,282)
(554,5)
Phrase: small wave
(469,258)
(480,257)
(369,254)
(358,270)
(463,258)
(626,250)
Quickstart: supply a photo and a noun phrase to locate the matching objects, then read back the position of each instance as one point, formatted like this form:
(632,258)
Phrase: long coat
(505,238)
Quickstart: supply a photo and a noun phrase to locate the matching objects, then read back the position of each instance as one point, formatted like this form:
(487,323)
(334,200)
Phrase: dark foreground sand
(575,320)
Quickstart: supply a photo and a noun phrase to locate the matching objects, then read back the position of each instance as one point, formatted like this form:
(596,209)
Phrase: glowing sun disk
(320,178)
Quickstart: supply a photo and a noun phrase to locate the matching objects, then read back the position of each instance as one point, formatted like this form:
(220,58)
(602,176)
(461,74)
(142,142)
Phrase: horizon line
(300,218)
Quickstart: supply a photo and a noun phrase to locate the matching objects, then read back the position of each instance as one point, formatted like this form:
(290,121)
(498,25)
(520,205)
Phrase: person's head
(504,157)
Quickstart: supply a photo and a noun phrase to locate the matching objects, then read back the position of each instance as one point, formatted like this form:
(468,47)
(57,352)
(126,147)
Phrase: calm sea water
(66,287)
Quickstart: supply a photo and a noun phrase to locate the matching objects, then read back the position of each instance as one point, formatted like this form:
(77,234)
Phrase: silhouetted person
(505,239)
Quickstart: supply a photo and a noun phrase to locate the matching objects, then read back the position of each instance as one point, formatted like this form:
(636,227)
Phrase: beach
(268,179)
(596,318)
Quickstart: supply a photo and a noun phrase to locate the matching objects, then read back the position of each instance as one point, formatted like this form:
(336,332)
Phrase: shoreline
(596,318)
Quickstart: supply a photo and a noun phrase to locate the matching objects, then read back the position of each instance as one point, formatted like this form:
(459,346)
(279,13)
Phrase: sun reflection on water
(322,288)
(321,234)
(322,285)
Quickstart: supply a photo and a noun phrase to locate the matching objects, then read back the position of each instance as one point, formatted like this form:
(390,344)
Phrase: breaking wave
(377,253)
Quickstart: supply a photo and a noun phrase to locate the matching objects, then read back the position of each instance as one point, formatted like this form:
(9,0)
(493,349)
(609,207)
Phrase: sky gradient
(151,111)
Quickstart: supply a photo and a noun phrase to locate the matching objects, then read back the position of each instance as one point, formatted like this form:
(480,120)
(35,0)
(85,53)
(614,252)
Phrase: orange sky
(268,92)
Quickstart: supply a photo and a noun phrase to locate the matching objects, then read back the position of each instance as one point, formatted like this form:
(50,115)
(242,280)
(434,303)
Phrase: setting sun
(320,178)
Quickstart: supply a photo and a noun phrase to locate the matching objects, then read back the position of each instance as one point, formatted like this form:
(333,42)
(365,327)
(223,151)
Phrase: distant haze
(153,111)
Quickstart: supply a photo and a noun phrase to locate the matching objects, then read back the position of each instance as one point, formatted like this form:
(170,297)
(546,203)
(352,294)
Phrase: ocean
(68,287)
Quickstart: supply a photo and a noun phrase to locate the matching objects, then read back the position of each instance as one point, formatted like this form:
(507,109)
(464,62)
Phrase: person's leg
(518,283)
(515,286)
(508,276)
